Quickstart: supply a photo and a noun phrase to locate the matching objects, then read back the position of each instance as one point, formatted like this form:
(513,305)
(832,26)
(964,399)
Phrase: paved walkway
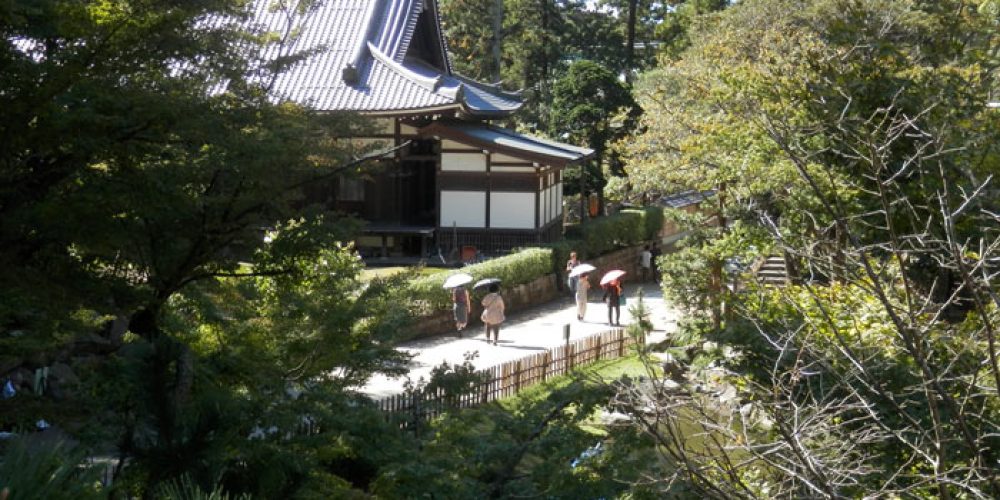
(524,333)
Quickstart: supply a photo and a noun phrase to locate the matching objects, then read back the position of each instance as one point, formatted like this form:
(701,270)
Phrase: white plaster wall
(512,210)
(464,208)
(463,162)
(506,168)
(502,158)
(450,144)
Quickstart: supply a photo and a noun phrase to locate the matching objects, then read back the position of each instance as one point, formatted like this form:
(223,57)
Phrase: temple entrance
(401,210)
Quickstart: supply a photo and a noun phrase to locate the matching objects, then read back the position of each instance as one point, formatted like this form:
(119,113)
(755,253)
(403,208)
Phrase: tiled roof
(685,198)
(508,142)
(372,36)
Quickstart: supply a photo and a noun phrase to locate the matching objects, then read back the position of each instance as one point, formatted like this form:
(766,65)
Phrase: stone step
(773,271)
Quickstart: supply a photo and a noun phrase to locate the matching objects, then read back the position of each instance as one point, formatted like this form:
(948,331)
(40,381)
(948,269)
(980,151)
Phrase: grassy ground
(602,371)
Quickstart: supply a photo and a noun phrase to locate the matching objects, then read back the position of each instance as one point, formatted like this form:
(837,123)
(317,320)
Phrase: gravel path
(523,333)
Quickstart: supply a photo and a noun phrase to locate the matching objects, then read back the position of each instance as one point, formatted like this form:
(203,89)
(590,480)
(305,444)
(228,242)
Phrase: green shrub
(50,471)
(591,239)
(518,268)
(560,253)
(599,236)
(604,234)
(652,221)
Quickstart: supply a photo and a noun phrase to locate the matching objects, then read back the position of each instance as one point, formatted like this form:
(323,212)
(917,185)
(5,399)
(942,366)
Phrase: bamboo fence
(509,378)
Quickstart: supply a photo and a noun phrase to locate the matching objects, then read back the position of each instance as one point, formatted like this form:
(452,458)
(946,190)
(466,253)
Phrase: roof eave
(403,113)
(486,114)
(439,129)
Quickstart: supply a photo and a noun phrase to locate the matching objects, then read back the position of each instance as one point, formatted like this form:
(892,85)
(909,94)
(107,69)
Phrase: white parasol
(457,280)
(611,276)
(581,269)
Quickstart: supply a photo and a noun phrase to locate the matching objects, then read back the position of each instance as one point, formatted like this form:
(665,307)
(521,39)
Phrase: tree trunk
(630,41)
(497,37)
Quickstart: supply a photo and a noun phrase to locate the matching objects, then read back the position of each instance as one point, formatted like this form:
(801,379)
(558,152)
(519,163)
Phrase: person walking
(582,288)
(493,308)
(570,264)
(645,264)
(460,306)
(612,297)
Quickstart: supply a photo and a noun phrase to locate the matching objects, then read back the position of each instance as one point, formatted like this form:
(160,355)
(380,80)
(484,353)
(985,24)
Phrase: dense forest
(206,329)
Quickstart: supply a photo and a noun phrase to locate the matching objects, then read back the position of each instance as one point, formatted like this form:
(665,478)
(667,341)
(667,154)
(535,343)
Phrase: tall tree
(853,137)
(143,163)
(680,17)
(470,30)
(590,106)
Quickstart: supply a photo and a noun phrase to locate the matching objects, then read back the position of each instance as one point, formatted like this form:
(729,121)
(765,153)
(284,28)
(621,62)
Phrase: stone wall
(539,291)
(515,298)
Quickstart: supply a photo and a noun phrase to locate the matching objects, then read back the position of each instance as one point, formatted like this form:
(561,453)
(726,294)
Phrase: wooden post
(597,357)
(517,377)
(485,387)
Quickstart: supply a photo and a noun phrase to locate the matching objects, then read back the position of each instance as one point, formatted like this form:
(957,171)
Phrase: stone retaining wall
(544,289)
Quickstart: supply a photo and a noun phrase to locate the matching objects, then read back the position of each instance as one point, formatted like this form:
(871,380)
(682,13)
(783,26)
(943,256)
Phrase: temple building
(458,181)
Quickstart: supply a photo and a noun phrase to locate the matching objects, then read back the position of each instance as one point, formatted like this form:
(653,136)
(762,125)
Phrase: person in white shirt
(493,308)
(645,263)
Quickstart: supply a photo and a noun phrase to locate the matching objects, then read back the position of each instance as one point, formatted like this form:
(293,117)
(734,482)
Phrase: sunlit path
(524,333)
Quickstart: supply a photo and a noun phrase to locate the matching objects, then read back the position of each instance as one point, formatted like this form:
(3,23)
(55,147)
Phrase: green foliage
(491,451)
(844,134)
(123,180)
(651,221)
(603,234)
(592,106)
(146,177)
(275,358)
(468,26)
(673,31)
(46,471)
(184,489)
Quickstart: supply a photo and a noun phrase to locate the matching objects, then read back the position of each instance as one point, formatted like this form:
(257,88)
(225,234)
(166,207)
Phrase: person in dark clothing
(656,253)
(612,297)
(461,306)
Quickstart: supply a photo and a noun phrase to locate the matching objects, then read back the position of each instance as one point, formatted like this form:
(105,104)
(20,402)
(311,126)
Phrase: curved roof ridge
(406,34)
(399,21)
(493,88)
(429,83)
(355,65)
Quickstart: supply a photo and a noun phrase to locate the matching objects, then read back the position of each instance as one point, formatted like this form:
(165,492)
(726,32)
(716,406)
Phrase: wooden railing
(509,378)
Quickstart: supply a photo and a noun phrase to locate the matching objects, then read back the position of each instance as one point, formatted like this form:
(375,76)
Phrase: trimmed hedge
(595,237)
(523,266)
(652,221)
(626,228)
